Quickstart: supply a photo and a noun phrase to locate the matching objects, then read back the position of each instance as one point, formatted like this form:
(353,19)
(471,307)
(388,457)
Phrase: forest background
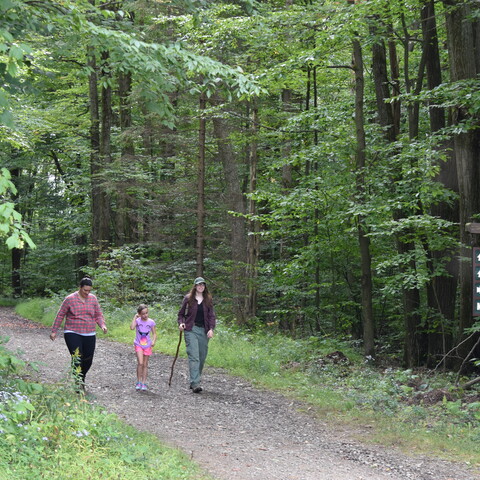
(316,161)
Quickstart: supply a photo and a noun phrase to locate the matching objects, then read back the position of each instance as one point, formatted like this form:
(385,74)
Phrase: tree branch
(470,353)
(469,384)
(452,350)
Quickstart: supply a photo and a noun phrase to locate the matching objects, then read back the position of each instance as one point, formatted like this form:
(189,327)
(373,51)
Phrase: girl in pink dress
(145,338)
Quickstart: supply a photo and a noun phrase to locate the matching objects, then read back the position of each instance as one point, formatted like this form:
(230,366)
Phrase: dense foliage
(314,160)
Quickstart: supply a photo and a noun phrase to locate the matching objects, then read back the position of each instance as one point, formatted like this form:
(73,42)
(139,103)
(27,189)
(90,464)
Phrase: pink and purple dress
(143,338)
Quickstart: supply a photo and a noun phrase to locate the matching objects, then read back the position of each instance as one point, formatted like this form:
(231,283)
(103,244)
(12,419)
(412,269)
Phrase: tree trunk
(16,272)
(125,225)
(316,212)
(235,203)
(80,239)
(201,187)
(287,178)
(363,239)
(253,239)
(389,118)
(464,56)
(95,163)
(382,91)
(16,253)
(441,290)
(105,150)
(416,345)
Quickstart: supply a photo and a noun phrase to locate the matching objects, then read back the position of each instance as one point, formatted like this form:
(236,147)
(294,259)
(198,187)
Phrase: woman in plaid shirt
(81,312)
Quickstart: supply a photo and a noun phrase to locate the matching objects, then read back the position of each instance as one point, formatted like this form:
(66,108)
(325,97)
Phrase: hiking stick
(175,359)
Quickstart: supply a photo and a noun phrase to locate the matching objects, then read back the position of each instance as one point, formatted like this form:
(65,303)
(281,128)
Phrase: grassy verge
(50,432)
(8,302)
(331,376)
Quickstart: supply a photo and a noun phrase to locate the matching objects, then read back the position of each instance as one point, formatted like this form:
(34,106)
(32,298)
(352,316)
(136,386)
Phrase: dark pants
(81,349)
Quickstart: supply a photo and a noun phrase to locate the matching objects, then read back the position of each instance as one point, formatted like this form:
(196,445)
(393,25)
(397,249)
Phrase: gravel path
(233,430)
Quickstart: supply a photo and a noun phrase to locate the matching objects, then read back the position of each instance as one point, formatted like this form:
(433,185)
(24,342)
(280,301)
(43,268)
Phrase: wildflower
(20,397)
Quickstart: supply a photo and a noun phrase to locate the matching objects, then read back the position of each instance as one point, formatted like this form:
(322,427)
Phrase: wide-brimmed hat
(199,280)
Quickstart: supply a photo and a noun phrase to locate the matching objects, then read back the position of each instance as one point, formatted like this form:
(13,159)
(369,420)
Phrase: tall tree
(464,54)
(16,252)
(441,290)
(125,225)
(363,239)
(201,185)
(253,226)
(100,201)
(236,204)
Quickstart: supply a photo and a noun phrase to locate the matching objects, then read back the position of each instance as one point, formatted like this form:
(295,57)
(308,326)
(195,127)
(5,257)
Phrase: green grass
(349,392)
(8,302)
(50,432)
(39,309)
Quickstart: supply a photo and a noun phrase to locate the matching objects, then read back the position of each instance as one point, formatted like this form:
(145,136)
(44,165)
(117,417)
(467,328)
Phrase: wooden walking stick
(175,359)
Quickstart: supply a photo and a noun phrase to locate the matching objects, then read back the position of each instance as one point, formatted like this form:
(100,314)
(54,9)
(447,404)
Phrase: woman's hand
(181,327)
(210,334)
(53,336)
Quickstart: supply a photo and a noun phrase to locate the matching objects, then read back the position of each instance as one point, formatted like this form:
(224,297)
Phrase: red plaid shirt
(81,316)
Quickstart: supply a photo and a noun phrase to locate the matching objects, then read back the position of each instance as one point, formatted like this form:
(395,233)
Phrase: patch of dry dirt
(233,430)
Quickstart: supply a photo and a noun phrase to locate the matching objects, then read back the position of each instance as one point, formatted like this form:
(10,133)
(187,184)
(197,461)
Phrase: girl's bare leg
(140,366)
(145,369)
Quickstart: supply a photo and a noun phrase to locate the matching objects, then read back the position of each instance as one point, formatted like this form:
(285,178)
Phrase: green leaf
(6,5)
(12,68)
(3,99)
(16,52)
(6,118)
(14,241)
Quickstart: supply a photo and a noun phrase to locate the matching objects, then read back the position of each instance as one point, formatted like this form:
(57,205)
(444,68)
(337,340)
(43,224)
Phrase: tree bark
(415,350)
(77,198)
(125,225)
(441,290)
(105,149)
(253,239)
(98,196)
(389,118)
(200,241)
(363,239)
(235,203)
(16,253)
(464,56)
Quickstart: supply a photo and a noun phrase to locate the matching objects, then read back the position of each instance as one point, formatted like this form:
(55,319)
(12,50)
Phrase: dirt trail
(233,430)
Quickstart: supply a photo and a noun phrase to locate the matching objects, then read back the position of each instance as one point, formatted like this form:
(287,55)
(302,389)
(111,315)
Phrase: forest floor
(233,430)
